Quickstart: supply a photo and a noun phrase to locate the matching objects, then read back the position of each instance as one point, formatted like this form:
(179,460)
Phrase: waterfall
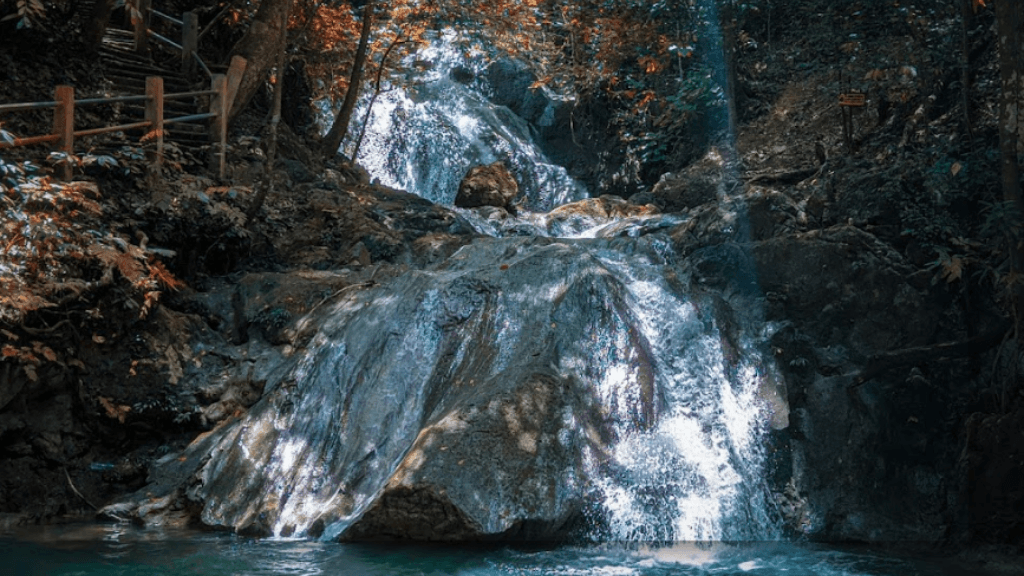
(563,379)
(526,379)
(423,138)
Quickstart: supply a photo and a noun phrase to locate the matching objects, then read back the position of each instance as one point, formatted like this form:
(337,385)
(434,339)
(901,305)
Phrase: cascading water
(559,380)
(525,380)
(423,139)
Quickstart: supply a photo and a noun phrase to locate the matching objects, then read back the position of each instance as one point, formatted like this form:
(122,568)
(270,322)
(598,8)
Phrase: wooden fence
(188,44)
(221,94)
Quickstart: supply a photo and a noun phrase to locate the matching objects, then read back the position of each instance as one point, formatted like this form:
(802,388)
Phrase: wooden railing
(188,45)
(221,94)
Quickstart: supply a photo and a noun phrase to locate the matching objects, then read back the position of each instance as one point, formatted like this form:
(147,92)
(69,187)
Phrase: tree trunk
(96,26)
(376,92)
(1011,67)
(1008,17)
(727,25)
(275,119)
(260,47)
(966,21)
(339,129)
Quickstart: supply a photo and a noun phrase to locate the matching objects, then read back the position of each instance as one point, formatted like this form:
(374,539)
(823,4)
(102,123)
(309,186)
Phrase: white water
(425,138)
(687,463)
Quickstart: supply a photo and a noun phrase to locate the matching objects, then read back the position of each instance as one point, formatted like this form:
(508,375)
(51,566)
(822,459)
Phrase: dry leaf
(955,168)
(30,371)
(115,411)
(953,269)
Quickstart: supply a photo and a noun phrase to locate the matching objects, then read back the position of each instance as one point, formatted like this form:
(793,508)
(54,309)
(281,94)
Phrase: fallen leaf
(115,411)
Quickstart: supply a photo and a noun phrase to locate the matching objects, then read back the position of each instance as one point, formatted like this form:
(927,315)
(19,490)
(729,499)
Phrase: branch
(47,330)
(75,490)
(788,177)
(880,363)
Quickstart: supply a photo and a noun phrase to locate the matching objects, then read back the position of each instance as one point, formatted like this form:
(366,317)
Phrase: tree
(1010,39)
(1011,70)
(275,119)
(339,129)
(260,46)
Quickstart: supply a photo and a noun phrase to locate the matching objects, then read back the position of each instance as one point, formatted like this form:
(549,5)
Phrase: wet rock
(510,83)
(435,493)
(490,185)
(456,404)
(702,182)
(604,207)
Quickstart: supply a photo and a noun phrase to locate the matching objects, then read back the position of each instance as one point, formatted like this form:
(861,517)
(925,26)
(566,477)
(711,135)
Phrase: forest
(598,218)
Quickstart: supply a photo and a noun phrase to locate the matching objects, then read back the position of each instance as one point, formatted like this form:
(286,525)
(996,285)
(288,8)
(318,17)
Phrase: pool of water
(120,550)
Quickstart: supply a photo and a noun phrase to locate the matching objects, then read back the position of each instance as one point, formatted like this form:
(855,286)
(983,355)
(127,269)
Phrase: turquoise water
(119,550)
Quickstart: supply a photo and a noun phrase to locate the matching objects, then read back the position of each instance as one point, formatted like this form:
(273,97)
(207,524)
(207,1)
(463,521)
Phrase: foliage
(28,13)
(55,248)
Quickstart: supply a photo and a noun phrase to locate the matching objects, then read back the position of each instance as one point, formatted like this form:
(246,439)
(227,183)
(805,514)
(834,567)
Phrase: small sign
(855,99)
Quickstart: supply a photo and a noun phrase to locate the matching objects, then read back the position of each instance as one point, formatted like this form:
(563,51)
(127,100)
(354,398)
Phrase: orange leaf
(115,411)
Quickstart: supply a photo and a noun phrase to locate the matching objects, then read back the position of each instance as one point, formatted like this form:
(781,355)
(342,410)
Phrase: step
(113,31)
(124,56)
(138,84)
(135,83)
(152,69)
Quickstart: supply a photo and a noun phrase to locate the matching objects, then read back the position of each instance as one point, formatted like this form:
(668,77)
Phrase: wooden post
(235,71)
(155,117)
(141,24)
(64,126)
(847,103)
(189,41)
(219,128)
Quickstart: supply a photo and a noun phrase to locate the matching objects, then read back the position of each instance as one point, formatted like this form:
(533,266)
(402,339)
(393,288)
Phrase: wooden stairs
(127,70)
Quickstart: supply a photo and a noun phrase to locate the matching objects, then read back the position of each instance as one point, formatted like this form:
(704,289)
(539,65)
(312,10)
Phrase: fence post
(189,41)
(235,71)
(64,126)
(141,23)
(219,130)
(155,117)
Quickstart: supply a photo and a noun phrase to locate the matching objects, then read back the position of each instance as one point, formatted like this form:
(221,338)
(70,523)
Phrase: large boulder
(490,185)
(503,395)
(706,181)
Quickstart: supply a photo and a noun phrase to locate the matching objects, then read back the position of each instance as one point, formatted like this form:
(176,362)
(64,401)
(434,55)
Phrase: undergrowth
(56,257)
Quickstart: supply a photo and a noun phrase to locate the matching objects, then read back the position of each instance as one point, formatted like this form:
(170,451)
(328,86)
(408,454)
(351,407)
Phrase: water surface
(109,550)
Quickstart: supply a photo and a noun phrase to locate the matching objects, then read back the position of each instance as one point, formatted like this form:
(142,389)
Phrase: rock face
(504,395)
(493,460)
(490,185)
(702,182)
